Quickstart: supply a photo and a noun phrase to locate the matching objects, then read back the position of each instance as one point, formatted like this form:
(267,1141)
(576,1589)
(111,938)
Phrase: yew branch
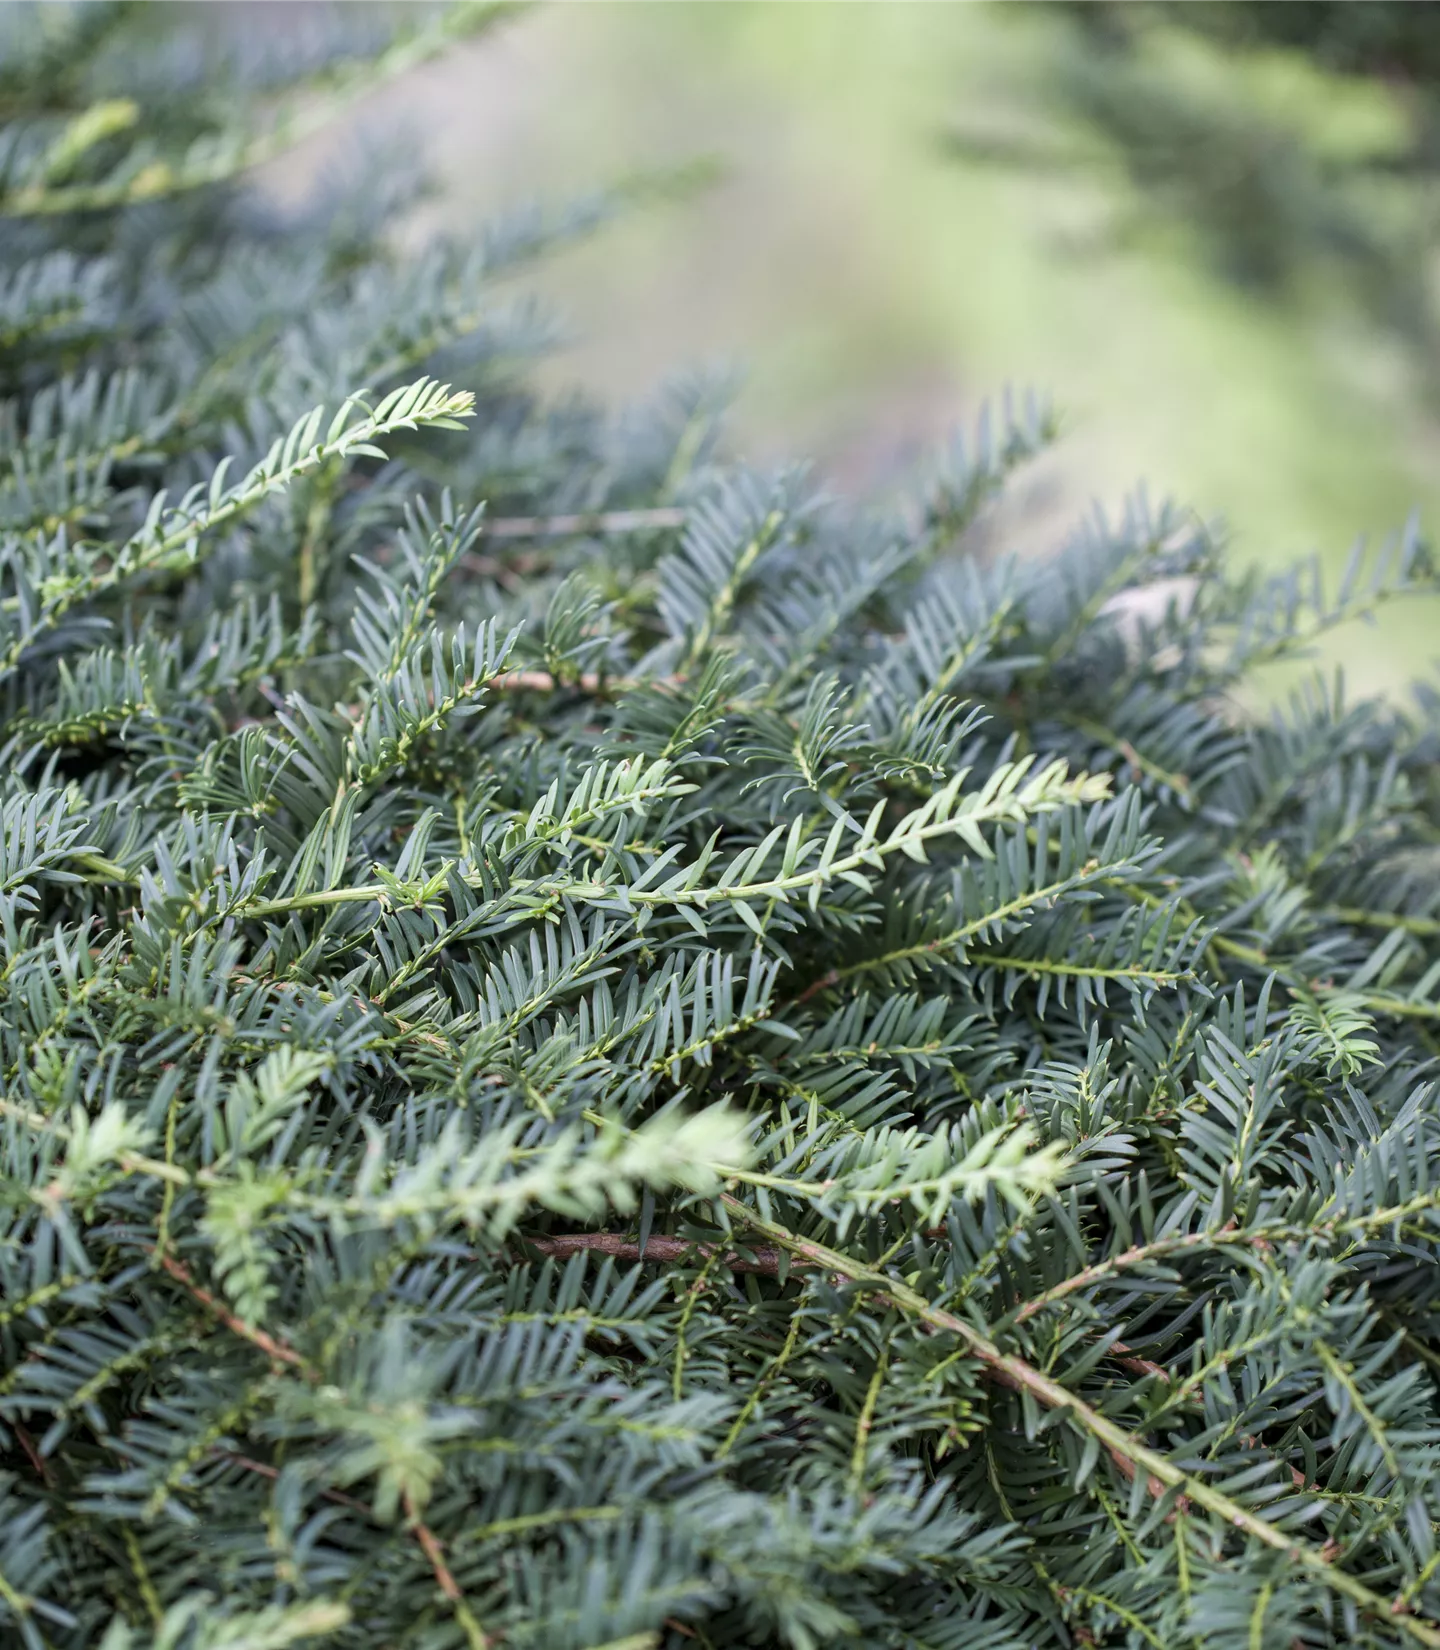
(1162,1474)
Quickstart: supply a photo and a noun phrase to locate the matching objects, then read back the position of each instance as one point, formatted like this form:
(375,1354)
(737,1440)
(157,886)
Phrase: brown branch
(435,1553)
(766,1261)
(430,1546)
(277,1351)
(264,1470)
(659,1250)
(1127,1359)
(762,1260)
(594,521)
(541,681)
(816,986)
(1122,1354)
(589,681)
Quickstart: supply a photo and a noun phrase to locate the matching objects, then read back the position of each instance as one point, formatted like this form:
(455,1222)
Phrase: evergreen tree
(1293,149)
(599,1051)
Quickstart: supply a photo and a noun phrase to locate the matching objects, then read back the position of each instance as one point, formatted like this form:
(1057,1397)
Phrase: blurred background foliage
(1207,230)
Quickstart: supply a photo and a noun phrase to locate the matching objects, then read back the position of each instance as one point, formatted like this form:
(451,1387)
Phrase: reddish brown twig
(817,986)
(435,1553)
(761,1259)
(430,1546)
(276,1350)
(593,521)
(426,1538)
(588,681)
(32,1454)
(659,1250)
(263,1469)
(1127,1359)
(766,1261)
(541,681)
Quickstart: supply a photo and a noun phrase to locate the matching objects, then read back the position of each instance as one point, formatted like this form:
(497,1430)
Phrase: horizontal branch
(588,681)
(595,521)
(765,1261)
(1080,971)
(263,1469)
(541,681)
(659,1250)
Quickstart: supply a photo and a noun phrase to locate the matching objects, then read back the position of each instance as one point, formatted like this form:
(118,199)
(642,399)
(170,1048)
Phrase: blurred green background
(919,205)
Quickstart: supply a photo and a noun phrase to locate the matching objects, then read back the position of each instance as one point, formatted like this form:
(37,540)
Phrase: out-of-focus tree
(1295,148)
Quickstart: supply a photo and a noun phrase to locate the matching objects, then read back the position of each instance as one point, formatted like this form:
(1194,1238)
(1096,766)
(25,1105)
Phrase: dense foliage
(598,1051)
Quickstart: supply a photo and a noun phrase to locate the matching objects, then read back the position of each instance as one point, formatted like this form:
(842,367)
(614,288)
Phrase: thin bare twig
(430,1546)
(1127,1359)
(32,1453)
(761,1259)
(541,681)
(1136,1256)
(766,1261)
(660,1250)
(263,1469)
(593,521)
(275,1350)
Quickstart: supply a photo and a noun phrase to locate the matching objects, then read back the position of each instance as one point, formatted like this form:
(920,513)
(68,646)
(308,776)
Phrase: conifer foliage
(599,1052)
